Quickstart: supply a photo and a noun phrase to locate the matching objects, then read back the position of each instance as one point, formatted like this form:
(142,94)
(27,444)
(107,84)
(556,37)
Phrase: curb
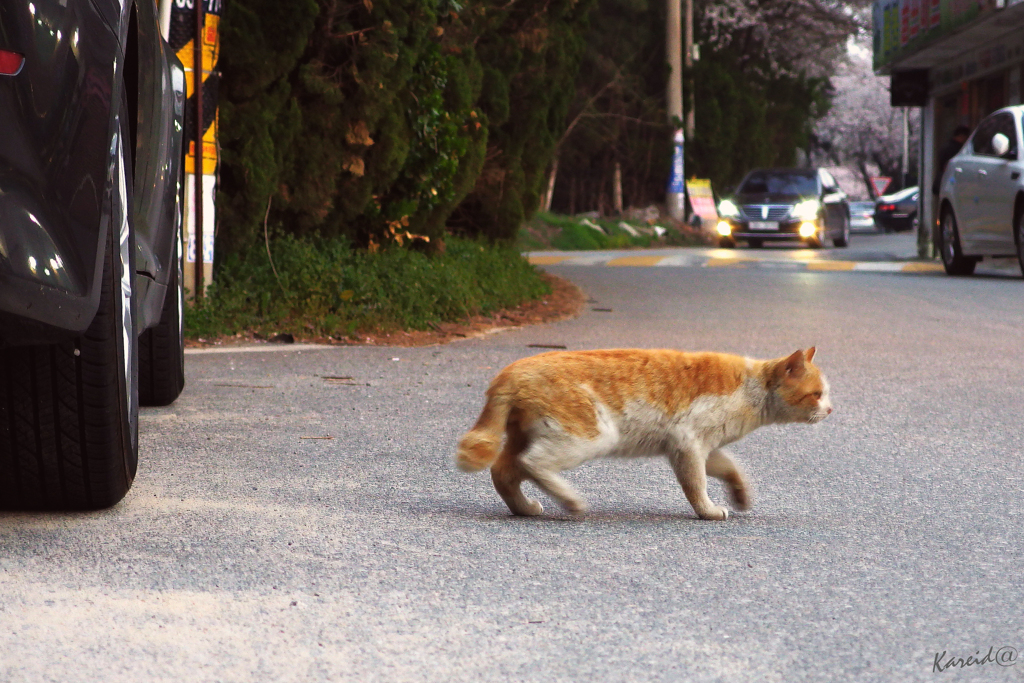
(697,261)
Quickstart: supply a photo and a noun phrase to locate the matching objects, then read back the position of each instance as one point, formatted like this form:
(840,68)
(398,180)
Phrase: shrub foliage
(377,119)
(324,287)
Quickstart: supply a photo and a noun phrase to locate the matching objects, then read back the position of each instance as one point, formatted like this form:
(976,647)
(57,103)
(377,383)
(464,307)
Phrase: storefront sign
(998,54)
(902,27)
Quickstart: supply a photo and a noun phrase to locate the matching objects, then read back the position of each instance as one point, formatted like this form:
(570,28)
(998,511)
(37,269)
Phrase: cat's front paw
(740,496)
(575,506)
(716,513)
(531,509)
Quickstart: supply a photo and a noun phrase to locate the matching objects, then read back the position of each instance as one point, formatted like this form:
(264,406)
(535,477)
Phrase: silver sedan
(981,198)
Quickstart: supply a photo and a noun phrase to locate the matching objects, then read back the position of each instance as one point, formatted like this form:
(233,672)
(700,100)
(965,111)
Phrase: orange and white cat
(557,410)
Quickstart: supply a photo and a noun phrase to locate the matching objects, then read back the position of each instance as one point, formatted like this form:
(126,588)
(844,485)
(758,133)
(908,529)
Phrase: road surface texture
(290,524)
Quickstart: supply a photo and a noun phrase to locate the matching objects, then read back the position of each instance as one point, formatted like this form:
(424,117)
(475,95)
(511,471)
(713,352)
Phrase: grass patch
(328,289)
(568,233)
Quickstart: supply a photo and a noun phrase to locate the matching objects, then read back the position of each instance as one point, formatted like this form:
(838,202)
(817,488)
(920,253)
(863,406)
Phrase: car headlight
(807,210)
(727,209)
(807,229)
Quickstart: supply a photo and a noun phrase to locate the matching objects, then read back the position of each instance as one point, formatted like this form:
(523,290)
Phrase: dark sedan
(785,205)
(92,103)
(897,212)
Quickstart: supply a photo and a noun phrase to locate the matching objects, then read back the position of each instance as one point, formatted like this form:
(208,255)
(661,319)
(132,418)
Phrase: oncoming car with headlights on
(785,205)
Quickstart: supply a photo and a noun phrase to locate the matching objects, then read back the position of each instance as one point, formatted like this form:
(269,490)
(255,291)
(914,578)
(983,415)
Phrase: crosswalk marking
(703,260)
(727,262)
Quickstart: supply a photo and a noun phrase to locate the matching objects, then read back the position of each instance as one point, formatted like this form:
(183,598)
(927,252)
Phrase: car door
(997,185)
(966,189)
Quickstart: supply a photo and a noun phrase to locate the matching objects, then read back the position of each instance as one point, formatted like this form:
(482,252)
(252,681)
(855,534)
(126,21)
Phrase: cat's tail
(479,447)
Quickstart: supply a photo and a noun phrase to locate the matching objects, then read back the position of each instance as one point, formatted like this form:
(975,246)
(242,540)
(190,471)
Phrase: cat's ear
(810,354)
(794,364)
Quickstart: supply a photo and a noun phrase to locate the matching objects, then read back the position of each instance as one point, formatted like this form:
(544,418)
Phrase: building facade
(959,60)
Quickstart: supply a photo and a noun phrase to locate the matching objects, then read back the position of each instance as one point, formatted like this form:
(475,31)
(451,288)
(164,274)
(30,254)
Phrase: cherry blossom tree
(788,37)
(861,129)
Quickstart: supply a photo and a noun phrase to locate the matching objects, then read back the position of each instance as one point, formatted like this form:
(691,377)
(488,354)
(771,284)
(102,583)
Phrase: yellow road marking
(726,262)
(636,261)
(830,265)
(547,260)
(922,268)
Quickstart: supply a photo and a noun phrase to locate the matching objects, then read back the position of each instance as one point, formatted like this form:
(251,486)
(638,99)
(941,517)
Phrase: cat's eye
(817,395)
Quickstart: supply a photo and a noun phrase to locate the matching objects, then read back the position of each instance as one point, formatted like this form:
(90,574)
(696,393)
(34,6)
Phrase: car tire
(726,243)
(755,243)
(69,416)
(953,259)
(1018,233)
(162,348)
(843,240)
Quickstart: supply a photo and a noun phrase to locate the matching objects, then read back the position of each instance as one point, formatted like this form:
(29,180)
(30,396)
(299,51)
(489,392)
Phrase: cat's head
(801,389)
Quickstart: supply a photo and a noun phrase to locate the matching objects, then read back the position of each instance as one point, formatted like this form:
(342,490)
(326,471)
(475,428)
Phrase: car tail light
(886,207)
(10,63)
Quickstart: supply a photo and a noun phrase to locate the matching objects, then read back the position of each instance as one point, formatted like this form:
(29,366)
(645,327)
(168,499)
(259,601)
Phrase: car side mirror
(1000,144)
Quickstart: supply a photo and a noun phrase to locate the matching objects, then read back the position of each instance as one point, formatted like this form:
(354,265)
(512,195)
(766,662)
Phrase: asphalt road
(285,526)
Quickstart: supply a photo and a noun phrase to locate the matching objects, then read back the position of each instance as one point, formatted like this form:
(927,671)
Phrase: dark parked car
(92,107)
(897,212)
(785,204)
(862,216)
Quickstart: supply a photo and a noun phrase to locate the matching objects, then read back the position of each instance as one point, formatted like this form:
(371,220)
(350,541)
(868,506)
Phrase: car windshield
(791,183)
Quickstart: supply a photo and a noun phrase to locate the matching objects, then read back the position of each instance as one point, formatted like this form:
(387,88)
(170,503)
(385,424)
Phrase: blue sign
(677,180)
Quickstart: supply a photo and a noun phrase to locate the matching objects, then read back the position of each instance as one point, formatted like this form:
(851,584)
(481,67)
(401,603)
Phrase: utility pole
(197,75)
(690,55)
(675,197)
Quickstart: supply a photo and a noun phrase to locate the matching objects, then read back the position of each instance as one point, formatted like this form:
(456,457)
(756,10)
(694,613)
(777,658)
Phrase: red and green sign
(902,27)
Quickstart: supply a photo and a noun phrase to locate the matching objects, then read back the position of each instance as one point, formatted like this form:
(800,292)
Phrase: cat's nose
(829,411)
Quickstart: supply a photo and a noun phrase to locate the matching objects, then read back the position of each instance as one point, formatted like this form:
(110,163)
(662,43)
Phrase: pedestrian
(947,152)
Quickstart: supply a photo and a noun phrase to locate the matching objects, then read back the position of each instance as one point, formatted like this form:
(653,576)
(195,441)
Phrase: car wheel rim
(181,294)
(127,325)
(947,239)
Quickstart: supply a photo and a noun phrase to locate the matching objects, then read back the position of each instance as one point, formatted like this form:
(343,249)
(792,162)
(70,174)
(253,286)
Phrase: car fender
(56,158)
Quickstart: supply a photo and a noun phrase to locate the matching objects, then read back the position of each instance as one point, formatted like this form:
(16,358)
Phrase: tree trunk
(617,189)
(863,168)
(551,184)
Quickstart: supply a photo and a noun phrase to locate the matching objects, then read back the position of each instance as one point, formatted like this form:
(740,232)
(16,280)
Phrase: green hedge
(375,118)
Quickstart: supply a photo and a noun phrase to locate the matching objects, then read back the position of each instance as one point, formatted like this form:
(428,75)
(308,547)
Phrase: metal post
(905,161)
(675,197)
(197,75)
(689,56)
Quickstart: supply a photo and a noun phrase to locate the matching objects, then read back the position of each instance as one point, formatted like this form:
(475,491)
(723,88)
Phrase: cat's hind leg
(559,489)
(690,468)
(720,465)
(508,474)
(543,467)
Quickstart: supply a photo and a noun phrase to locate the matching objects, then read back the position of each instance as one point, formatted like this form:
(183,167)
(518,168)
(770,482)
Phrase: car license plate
(764,225)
